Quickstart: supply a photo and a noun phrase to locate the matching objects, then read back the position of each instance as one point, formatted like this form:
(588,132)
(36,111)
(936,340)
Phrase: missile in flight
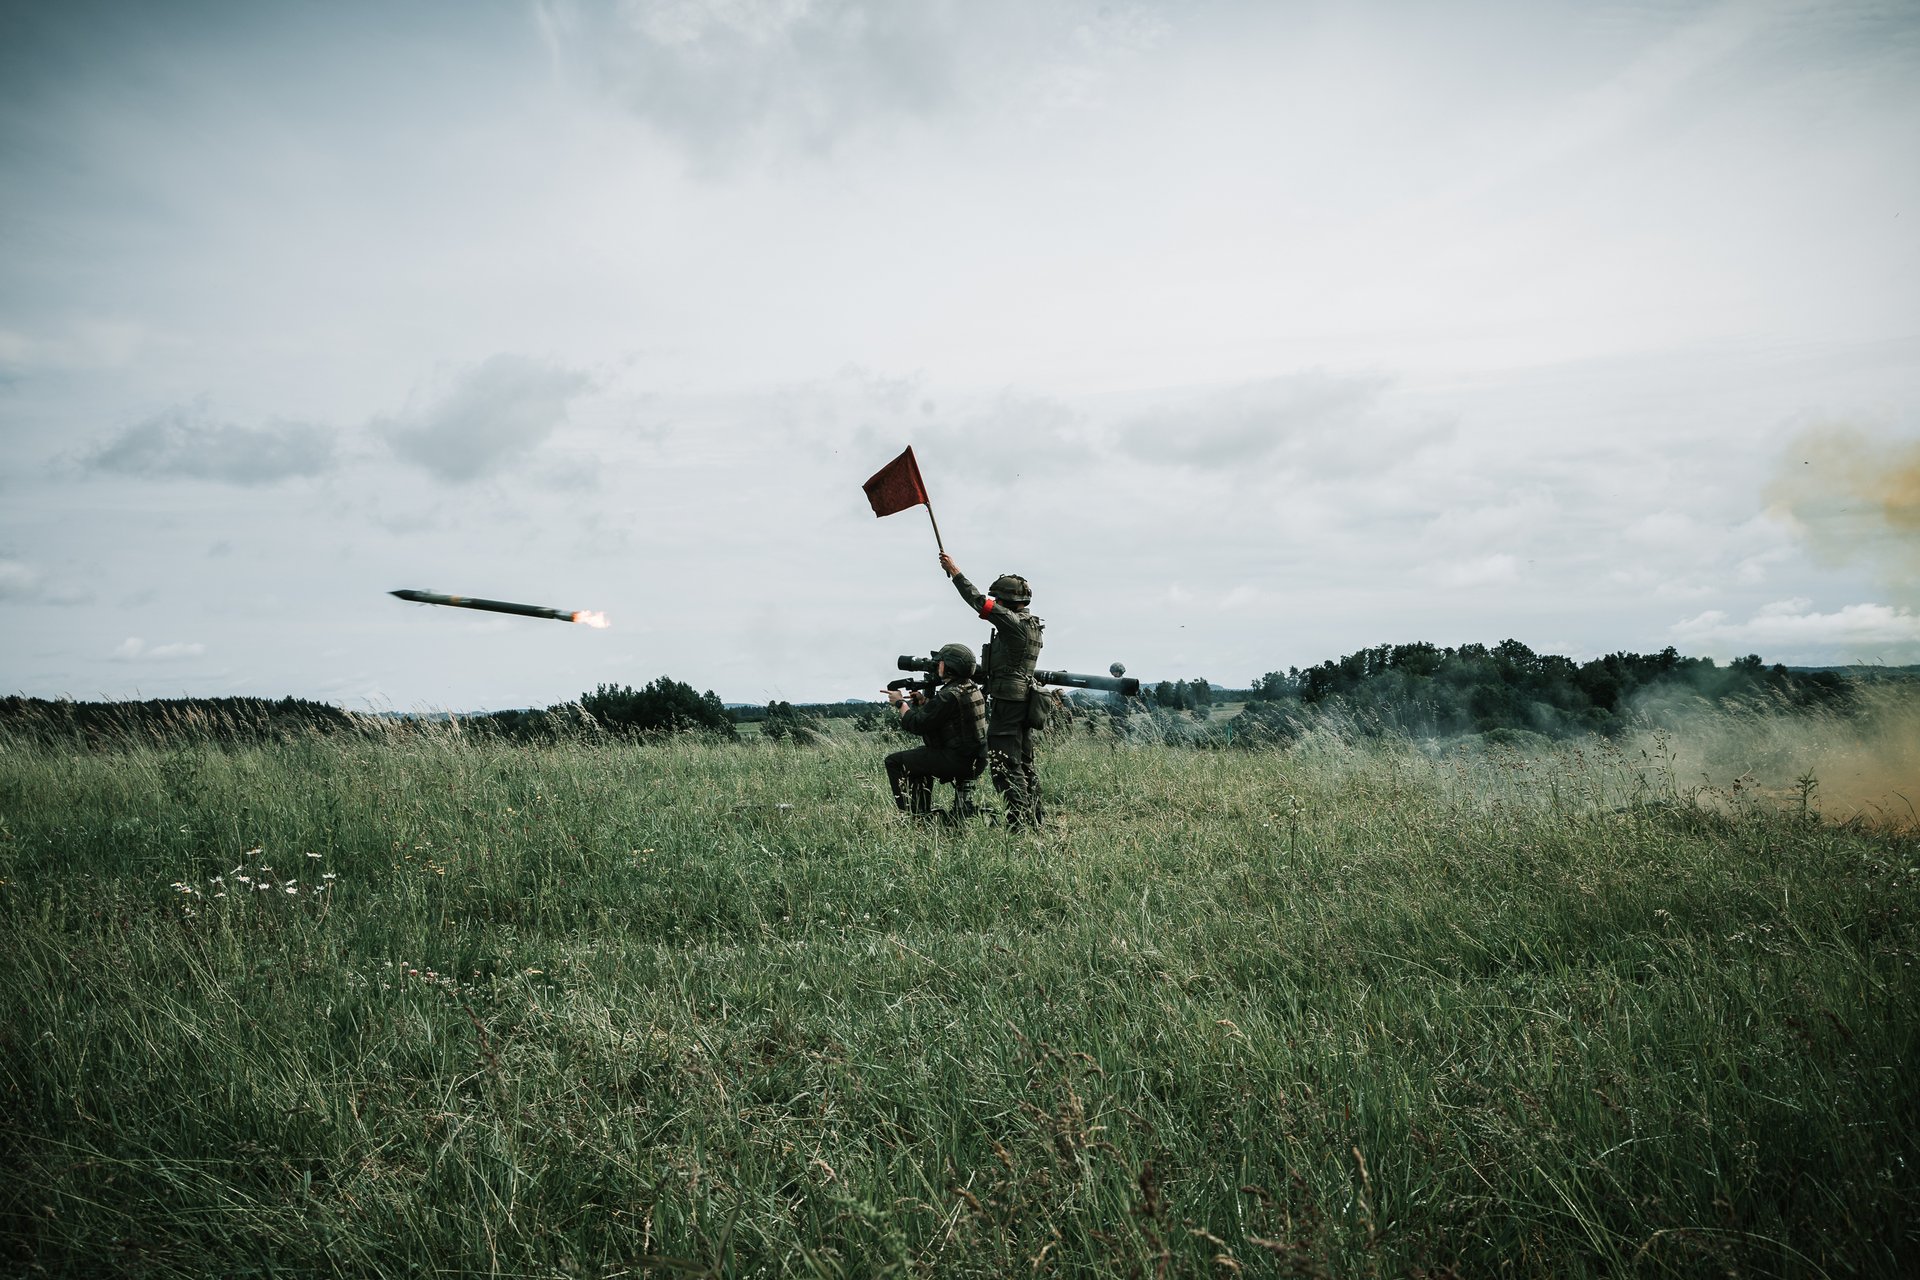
(589,617)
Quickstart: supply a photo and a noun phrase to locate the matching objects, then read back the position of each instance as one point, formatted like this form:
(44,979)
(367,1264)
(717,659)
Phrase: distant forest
(1426,691)
(1420,690)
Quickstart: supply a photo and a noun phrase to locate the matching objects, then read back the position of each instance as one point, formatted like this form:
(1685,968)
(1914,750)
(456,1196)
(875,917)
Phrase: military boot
(963,804)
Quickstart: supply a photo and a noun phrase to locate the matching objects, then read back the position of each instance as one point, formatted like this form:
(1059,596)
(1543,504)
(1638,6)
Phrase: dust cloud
(1855,499)
(1863,762)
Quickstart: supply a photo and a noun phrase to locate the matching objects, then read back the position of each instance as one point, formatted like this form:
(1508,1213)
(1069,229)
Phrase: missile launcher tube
(1125,686)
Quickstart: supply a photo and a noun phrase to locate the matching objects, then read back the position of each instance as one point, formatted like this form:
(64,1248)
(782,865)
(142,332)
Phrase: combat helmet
(1012,588)
(958,657)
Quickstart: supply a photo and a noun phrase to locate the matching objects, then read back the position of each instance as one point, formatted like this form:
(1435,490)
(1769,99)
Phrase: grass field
(421,1003)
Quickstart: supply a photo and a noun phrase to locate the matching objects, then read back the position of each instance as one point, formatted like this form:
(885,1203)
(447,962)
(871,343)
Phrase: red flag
(897,486)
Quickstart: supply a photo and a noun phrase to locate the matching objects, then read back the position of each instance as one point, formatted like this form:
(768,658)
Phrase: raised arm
(977,599)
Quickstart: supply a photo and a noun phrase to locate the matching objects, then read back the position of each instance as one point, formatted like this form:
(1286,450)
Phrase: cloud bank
(1792,631)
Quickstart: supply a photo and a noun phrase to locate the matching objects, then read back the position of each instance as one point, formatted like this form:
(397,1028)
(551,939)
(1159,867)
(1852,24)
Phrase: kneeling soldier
(954,723)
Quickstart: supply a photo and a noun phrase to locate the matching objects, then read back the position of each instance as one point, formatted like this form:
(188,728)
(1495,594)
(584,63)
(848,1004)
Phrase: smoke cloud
(1854,499)
(1865,763)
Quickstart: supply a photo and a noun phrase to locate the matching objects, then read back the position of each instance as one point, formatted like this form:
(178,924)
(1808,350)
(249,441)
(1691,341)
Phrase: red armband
(987,608)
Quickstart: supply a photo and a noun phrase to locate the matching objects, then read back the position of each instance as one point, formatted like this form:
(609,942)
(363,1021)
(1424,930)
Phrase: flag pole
(936,528)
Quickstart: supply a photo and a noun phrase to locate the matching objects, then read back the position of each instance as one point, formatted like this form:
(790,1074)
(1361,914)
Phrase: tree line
(1419,689)
(1425,690)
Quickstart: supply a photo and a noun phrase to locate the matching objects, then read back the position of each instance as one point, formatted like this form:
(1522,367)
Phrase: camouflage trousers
(913,772)
(1010,758)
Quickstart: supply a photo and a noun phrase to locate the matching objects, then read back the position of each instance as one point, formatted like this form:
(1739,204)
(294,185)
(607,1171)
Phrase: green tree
(1271,687)
(782,721)
(664,706)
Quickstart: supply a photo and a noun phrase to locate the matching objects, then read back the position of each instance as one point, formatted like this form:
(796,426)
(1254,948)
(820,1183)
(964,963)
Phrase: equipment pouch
(1040,709)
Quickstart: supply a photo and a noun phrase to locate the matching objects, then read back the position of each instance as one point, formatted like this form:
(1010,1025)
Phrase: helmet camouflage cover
(1012,588)
(958,657)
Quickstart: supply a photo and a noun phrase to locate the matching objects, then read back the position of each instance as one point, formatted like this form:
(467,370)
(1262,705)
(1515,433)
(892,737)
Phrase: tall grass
(389,1004)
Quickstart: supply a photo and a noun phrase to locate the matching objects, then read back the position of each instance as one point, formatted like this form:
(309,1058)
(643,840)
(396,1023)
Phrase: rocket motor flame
(591,617)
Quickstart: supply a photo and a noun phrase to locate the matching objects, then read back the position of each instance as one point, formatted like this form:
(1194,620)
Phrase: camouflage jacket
(954,719)
(1008,662)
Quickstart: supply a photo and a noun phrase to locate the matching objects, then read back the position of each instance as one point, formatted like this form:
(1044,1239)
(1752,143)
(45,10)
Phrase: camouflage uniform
(1006,668)
(954,723)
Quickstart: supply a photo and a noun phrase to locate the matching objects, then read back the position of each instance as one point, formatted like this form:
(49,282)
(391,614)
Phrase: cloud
(22,583)
(187,441)
(88,345)
(499,410)
(1012,436)
(18,581)
(1754,570)
(1854,498)
(723,77)
(133,649)
(1519,512)
(1244,596)
(1487,571)
(1306,420)
(1790,630)
(1662,529)
(868,417)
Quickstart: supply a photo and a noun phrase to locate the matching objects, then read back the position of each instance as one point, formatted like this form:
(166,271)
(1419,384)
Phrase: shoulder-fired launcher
(1119,682)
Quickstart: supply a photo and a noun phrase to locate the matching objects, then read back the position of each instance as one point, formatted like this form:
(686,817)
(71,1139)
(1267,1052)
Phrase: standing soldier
(954,723)
(1006,668)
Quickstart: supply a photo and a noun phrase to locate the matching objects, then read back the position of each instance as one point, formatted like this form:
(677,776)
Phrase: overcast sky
(1251,333)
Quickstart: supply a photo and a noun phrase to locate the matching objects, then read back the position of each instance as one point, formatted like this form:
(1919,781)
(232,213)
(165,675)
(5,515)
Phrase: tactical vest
(971,737)
(959,713)
(1008,661)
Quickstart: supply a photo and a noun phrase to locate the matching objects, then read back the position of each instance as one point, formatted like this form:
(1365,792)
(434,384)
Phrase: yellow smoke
(1854,498)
